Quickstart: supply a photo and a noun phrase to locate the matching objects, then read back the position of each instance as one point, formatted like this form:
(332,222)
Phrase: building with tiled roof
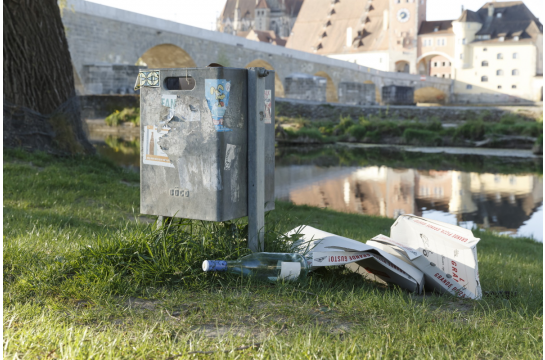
(498,54)
(495,54)
(239,17)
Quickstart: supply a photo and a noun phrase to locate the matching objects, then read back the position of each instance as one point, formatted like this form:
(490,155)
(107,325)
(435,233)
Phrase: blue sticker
(217,96)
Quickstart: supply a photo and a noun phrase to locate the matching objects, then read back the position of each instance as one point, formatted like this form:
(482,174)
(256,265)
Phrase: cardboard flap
(409,252)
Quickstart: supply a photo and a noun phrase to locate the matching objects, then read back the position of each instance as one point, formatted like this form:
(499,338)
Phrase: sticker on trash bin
(153,155)
(268,107)
(217,96)
(147,78)
(230,153)
(169,101)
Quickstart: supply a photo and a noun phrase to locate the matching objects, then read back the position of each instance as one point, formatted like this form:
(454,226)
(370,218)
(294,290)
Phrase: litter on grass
(420,253)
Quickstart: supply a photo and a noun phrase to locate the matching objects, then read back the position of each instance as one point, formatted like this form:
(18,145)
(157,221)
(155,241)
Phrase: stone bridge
(107,45)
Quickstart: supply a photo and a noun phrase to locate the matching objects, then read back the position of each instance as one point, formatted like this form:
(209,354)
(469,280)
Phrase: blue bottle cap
(214,265)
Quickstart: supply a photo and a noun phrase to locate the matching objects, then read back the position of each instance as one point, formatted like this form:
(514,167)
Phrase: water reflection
(500,202)
(123,150)
(503,194)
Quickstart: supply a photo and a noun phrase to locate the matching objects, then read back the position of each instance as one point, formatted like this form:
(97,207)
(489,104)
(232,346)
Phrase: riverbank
(304,122)
(511,131)
(83,278)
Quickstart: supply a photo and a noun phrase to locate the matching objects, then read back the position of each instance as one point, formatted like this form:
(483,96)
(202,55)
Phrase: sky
(203,13)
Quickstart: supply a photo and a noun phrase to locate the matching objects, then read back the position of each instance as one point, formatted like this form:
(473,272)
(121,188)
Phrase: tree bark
(38,79)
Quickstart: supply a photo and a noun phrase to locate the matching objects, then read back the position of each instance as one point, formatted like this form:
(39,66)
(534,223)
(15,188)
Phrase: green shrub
(305,132)
(472,130)
(326,130)
(422,137)
(485,116)
(510,119)
(131,115)
(373,136)
(435,125)
(344,124)
(357,131)
(364,122)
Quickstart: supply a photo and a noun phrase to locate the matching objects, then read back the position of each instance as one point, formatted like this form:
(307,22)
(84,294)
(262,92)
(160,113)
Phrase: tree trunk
(38,79)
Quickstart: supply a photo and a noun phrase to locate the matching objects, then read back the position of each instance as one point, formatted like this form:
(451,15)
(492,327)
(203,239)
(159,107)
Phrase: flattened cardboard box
(321,248)
(446,254)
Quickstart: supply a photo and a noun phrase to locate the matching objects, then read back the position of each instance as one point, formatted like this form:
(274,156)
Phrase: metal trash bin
(194,142)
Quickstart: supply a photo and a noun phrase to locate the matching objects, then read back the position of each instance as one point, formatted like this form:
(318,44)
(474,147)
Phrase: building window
(461,56)
(435,64)
(513,86)
(501,38)
(398,1)
(484,78)
(463,41)
(499,86)
(485,49)
(444,63)
(427,42)
(484,63)
(443,76)
(469,87)
(499,56)
(441,42)
(515,72)
(516,38)
(499,72)
(515,55)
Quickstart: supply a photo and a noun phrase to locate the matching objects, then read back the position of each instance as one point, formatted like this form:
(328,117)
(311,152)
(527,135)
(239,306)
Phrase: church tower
(262,19)
(237,23)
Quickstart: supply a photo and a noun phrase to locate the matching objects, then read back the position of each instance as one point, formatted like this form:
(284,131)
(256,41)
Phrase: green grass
(84,279)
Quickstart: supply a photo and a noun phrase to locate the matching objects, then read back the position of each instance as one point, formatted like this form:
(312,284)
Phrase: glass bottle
(263,266)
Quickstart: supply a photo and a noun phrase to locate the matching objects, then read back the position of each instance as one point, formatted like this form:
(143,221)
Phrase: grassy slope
(80,281)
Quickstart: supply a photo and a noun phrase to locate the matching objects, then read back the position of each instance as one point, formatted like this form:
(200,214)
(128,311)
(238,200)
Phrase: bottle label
(289,270)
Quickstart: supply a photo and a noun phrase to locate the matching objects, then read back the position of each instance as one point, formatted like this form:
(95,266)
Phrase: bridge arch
(166,56)
(429,94)
(278,86)
(423,61)
(402,66)
(331,89)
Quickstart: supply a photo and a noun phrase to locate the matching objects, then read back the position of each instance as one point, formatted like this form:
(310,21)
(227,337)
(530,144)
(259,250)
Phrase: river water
(501,190)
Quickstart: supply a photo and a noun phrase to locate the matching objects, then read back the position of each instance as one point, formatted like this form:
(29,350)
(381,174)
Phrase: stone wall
(352,93)
(305,87)
(446,114)
(100,106)
(109,78)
